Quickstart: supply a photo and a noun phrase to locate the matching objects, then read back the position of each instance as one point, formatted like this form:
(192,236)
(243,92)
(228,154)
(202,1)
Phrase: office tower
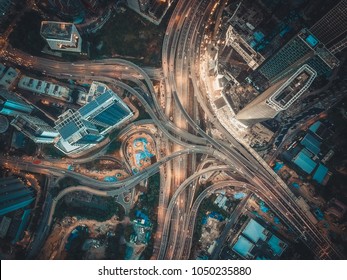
(61,36)
(86,127)
(35,128)
(75,132)
(333,25)
(107,110)
(278,97)
(11,105)
(308,47)
(14,195)
(304,48)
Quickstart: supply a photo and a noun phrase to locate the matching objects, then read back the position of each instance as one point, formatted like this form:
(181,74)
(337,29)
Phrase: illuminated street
(230,145)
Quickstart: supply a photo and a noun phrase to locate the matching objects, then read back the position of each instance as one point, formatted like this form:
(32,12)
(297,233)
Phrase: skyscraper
(333,25)
(310,47)
(75,132)
(86,127)
(61,36)
(304,48)
(35,128)
(11,104)
(278,97)
(107,110)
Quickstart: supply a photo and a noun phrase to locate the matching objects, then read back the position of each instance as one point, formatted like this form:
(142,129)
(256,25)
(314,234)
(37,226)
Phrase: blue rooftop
(320,173)
(311,143)
(89,107)
(304,161)
(254,231)
(258,36)
(263,207)
(277,245)
(311,40)
(216,216)
(278,166)
(239,195)
(315,126)
(243,246)
(67,130)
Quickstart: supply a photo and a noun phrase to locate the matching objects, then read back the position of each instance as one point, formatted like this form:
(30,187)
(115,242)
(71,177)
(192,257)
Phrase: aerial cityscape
(173,129)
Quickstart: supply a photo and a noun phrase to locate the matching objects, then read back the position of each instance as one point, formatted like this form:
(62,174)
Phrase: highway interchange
(184,93)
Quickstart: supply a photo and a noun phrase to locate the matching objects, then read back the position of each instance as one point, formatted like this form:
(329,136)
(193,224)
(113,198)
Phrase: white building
(77,134)
(45,88)
(278,97)
(61,36)
(35,128)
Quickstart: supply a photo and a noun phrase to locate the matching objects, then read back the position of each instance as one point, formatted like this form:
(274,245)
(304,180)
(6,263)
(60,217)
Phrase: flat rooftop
(292,89)
(254,231)
(243,246)
(56,30)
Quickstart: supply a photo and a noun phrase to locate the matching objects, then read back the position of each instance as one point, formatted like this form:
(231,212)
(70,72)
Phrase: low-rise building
(256,242)
(14,195)
(8,76)
(45,88)
(12,105)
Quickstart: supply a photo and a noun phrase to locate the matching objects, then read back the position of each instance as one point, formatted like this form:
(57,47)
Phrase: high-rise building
(278,97)
(12,105)
(35,128)
(86,127)
(107,110)
(304,48)
(308,47)
(14,195)
(75,132)
(333,25)
(61,36)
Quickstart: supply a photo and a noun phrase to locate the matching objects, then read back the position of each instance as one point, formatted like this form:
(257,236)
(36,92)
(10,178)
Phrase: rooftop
(311,143)
(293,88)
(254,231)
(304,161)
(320,173)
(56,30)
(243,246)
